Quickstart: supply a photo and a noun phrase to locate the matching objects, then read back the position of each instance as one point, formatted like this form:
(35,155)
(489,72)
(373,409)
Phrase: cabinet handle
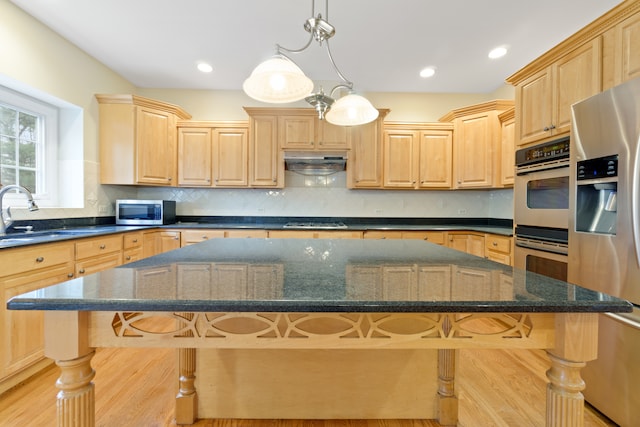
(40,259)
(204,237)
(70,275)
(176,238)
(495,243)
(169,179)
(426,238)
(81,271)
(546,129)
(135,240)
(103,246)
(552,127)
(128,258)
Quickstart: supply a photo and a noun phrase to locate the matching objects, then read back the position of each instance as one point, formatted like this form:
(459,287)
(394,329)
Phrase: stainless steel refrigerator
(604,239)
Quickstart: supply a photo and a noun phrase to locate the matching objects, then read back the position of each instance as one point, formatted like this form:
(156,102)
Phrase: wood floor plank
(136,387)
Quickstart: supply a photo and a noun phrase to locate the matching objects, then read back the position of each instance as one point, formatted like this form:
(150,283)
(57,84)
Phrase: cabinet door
(400,159)
(329,136)
(229,281)
(577,76)
(155,146)
(265,281)
(231,157)
(474,151)
(297,132)
(534,100)
(507,153)
(399,282)
(434,282)
(365,157)
(194,157)
(436,159)
(627,49)
(265,162)
(157,242)
(190,237)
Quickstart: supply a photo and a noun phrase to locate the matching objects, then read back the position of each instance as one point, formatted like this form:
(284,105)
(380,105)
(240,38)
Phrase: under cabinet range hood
(315,164)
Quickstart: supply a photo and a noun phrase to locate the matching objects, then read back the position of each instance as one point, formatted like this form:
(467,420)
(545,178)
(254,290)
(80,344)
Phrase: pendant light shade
(278,80)
(351,110)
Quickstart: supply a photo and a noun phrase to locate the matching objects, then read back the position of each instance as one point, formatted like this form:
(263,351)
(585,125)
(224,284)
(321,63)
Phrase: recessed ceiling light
(204,67)
(427,72)
(498,52)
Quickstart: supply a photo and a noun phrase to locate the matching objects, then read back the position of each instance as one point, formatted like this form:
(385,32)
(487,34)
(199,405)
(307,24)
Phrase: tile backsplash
(328,197)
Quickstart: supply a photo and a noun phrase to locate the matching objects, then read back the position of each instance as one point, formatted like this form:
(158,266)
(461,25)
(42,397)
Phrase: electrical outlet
(103,209)
(462,211)
(377,211)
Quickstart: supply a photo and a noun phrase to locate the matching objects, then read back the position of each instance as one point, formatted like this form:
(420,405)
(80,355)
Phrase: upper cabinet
(138,140)
(621,52)
(417,155)
(477,154)
(544,99)
(601,55)
(364,164)
(214,154)
(301,129)
(507,147)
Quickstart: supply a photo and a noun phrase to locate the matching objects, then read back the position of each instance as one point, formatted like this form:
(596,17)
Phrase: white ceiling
(380,45)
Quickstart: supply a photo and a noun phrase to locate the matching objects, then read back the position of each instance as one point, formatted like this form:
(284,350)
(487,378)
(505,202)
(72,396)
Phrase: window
(28,145)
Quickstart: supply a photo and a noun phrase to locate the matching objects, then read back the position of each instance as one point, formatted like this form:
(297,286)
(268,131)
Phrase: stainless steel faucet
(6,222)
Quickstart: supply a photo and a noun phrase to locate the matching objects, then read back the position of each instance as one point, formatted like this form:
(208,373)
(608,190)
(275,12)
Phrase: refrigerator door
(603,233)
(612,379)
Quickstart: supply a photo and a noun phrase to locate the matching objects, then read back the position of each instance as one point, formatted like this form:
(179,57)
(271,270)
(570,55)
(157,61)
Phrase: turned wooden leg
(187,398)
(565,402)
(76,401)
(447,400)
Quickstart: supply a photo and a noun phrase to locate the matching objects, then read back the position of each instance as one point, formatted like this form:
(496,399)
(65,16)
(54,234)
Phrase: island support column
(66,342)
(576,343)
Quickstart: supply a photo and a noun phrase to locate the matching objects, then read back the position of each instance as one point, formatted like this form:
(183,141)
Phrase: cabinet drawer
(437,237)
(257,234)
(97,264)
(131,255)
(132,240)
(22,260)
(98,246)
(190,237)
(498,257)
(496,243)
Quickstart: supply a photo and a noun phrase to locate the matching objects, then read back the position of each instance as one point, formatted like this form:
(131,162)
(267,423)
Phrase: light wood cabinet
(213,154)
(544,99)
(22,332)
(437,237)
(477,140)
(364,164)
(621,52)
(195,157)
(231,157)
(417,155)
(469,242)
(190,237)
(138,140)
(301,129)
(266,164)
(498,248)
(159,241)
(507,148)
(315,234)
(132,247)
(97,254)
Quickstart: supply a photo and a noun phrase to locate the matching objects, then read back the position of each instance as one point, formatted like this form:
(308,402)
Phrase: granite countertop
(317,275)
(60,230)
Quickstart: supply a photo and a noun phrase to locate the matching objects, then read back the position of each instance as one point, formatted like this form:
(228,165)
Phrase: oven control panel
(553,150)
(602,167)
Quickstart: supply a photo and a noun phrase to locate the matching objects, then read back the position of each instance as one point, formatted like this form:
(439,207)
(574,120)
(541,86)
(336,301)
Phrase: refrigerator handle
(635,220)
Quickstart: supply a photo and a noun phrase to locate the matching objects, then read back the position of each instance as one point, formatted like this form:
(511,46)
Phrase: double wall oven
(541,208)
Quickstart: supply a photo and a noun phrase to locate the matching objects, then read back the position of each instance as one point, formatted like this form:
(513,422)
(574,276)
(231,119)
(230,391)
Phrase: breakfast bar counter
(319,328)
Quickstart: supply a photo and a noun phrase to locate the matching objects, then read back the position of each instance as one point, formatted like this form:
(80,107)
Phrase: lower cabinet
(315,234)
(159,241)
(96,254)
(192,236)
(437,237)
(22,332)
(469,242)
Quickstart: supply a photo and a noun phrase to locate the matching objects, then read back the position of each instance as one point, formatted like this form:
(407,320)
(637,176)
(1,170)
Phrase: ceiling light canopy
(280,80)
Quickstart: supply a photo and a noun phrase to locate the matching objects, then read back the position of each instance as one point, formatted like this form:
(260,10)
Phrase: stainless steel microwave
(145,212)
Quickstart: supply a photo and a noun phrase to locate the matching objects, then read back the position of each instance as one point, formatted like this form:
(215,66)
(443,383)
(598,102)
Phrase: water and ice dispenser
(597,195)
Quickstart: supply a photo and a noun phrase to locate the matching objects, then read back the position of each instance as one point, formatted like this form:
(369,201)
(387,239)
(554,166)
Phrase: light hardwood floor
(496,388)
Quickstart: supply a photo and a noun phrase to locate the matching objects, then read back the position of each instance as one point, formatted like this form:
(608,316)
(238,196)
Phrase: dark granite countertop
(47,231)
(317,275)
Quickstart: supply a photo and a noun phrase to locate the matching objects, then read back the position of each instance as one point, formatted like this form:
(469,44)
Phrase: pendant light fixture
(280,80)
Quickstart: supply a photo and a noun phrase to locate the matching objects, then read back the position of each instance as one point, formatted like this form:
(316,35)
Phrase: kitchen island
(244,311)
